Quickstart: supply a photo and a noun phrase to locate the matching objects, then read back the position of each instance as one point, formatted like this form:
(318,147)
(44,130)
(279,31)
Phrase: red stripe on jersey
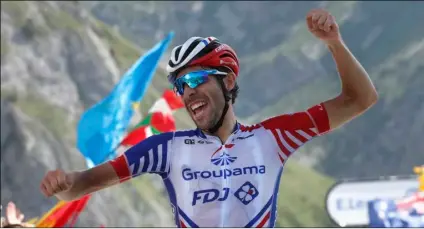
(182,224)
(299,137)
(280,144)
(281,158)
(320,117)
(249,128)
(264,220)
(229,146)
(289,141)
(121,168)
(217,151)
(310,132)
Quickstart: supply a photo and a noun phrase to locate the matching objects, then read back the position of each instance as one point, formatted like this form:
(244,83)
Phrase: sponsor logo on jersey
(246,193)
(188,174)
(210,195)
(204,142)
(246,137)
(189,141)
(224,159)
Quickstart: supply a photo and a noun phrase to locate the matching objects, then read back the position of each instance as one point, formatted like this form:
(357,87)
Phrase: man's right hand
(55,182)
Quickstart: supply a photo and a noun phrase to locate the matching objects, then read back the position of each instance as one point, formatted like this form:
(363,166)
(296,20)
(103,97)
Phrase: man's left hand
(323,25)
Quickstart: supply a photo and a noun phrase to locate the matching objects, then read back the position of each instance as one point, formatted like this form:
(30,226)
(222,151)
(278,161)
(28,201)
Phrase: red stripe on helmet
(215,59)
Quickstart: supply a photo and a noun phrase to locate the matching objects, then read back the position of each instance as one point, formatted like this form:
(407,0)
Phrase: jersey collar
(201,134)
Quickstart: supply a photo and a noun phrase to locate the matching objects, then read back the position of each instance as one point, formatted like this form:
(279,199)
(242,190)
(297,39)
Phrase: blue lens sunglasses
(194,79)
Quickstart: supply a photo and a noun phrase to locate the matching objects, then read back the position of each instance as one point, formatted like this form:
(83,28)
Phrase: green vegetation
(60,20)
(301,199)
(16,10)
(51,116)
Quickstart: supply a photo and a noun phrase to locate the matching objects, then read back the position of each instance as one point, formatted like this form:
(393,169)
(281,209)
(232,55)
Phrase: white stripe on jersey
(140,168)
(167,158)
(293,138)
(185,222)
(160,156)
(266,224)
(183,219)
(132,169)
(283,155)
(305,135)
(288,147)
(150,160)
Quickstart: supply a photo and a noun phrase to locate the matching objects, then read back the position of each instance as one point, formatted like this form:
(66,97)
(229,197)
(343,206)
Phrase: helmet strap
(227,99)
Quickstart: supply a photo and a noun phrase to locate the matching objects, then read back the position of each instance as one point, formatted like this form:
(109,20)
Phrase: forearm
(356,84)
(88,181)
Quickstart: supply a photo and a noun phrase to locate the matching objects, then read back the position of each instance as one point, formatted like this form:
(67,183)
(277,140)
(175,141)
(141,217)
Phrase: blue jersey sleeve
(149,156)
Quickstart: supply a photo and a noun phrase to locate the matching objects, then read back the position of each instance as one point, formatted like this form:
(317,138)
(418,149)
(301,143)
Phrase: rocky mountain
(57,60)
(274,46)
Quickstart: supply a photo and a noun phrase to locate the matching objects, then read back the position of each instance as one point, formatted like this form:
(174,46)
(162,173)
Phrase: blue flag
(407,212)
(102,127)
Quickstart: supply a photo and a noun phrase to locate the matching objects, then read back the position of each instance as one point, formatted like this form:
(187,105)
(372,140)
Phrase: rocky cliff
(57,61)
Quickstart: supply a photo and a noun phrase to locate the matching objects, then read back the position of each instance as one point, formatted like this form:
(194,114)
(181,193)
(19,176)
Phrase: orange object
(419,170)
(62,212)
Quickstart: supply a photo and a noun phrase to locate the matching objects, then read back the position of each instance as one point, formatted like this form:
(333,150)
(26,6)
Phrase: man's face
(204,103)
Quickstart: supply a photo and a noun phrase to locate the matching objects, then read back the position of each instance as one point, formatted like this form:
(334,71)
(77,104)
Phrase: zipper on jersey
(229,139)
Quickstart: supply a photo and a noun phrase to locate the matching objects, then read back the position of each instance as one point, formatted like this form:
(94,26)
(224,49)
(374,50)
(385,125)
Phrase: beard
(210,114)
(212,120)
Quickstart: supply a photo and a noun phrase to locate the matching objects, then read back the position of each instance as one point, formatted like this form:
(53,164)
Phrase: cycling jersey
(231,184)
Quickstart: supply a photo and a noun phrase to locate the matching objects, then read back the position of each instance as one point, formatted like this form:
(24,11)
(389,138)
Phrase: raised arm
(358,93)
(149,156)
(291,131)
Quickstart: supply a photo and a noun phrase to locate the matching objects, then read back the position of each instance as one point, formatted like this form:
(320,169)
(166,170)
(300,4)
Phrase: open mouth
(197,108)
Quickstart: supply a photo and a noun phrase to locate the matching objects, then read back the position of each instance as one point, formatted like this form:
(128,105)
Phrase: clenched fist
(323,25)
(55,182)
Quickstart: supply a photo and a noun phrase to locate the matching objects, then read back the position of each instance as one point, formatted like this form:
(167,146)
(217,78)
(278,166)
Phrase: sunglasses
(194,79)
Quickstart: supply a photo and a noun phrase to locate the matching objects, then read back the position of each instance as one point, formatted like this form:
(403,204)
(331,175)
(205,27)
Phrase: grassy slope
(302,190)
(301,198)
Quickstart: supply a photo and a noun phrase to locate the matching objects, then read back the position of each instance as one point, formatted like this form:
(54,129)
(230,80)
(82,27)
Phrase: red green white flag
(159,119)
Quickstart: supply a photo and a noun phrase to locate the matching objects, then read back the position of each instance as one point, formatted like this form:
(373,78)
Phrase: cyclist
(223,173)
